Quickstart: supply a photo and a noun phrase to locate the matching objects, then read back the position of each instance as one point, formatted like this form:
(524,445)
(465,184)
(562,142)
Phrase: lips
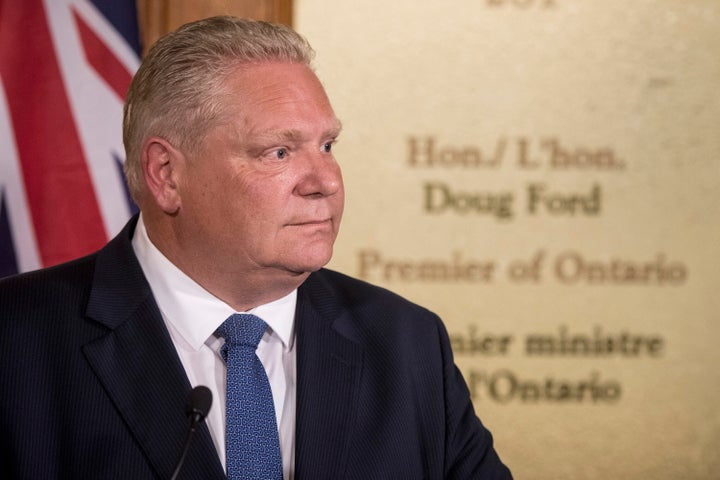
(309,222)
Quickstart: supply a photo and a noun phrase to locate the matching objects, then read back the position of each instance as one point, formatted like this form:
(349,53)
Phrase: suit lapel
(138,366)
(329,362)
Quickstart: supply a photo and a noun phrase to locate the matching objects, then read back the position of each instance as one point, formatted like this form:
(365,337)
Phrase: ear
(162,164)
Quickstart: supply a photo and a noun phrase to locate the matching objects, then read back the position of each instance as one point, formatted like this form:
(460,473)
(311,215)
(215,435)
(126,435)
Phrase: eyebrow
(336,129)
(297,135)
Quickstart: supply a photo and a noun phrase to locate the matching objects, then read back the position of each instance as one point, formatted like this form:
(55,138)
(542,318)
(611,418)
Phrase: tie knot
(242,329)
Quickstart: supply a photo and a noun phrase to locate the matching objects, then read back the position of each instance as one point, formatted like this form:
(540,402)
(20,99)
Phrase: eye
(327,147)
(281,153)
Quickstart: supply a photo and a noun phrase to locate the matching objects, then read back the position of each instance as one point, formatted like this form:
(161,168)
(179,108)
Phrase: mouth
(311,223)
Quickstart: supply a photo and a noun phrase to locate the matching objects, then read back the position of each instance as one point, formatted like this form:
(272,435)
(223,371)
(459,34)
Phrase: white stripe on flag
(11,182)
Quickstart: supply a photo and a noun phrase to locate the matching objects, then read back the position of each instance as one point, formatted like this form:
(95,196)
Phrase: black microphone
(197,407)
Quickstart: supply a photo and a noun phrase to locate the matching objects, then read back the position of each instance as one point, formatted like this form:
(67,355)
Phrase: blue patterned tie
(252,446)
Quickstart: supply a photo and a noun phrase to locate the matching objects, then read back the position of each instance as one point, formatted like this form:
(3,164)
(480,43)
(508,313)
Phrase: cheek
(339,201)
(257,211)
(203,187)
(341,193)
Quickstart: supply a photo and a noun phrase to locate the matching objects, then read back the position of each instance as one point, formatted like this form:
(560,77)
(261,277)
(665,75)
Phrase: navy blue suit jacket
(92,387)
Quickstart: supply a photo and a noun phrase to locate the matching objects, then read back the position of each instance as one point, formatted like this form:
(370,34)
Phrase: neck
(245,292)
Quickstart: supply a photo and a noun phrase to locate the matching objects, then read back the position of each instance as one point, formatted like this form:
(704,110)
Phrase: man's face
(265,193)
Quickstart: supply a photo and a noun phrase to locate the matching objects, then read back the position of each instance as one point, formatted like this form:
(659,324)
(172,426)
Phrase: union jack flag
(65,66)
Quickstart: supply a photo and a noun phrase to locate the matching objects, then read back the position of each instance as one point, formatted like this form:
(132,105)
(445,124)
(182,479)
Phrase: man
(229,138)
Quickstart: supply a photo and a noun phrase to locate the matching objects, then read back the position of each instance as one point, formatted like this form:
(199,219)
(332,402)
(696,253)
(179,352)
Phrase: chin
(309,262)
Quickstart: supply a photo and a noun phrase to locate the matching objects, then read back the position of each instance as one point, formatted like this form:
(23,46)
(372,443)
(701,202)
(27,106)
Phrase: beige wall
(580,141)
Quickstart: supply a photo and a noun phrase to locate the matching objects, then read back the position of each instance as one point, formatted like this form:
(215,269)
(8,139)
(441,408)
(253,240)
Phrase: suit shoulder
(368,301)
(64,272)
(355,289)
(46,288)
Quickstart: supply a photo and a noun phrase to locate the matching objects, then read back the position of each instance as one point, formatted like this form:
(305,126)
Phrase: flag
(65,67)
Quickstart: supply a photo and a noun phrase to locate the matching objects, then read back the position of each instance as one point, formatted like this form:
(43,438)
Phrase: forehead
(276,95)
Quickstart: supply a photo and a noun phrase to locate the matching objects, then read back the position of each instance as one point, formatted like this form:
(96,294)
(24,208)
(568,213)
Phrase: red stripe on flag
(103,60)
(60,194)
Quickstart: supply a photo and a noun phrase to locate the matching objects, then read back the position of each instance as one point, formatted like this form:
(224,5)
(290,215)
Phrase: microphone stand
(198,406)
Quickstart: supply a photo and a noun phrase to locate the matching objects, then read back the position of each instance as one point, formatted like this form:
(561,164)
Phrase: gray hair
(176,93)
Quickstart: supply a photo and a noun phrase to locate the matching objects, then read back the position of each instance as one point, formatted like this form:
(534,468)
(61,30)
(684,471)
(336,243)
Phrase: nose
(320,176)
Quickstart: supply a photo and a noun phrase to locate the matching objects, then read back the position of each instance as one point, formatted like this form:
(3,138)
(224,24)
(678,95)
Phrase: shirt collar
(193,311)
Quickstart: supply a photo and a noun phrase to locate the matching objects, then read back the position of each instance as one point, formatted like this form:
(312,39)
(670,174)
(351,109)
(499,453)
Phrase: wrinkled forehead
(285,99)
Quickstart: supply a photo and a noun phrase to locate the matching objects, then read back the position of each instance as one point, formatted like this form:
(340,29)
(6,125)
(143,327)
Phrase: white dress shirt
(192,314)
